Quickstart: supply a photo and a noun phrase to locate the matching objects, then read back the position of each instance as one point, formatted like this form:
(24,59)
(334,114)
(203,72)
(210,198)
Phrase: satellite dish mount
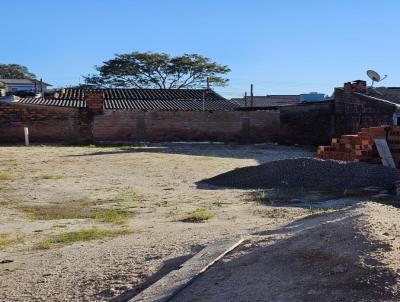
(375,77)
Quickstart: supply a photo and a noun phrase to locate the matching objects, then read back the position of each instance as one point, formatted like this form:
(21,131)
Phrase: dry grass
(117,216)
(7,240)
(5,176)
(76,210)
(51,177)
(82,235)
(66,210)
(199,215)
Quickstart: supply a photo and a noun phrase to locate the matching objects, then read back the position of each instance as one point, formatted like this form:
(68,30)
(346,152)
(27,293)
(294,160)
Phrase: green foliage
(15,71)
(82,235)
(3,86)
(158,70)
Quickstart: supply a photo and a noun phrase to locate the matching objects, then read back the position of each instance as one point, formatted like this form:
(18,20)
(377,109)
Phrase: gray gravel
(308,173)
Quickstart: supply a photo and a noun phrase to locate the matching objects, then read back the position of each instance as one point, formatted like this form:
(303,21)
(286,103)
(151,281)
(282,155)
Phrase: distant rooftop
(268,100)
(22,82)
(390,94)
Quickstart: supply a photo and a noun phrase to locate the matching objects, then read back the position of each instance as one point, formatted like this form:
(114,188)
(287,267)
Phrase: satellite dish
(374,76)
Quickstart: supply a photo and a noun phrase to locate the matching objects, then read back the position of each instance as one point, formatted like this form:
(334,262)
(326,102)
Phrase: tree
(158,70)
(2,85)
(15,71)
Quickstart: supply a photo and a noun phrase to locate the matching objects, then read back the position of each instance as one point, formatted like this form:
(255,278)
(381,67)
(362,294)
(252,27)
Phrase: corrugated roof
(141,99)
(389,94)
(268,100)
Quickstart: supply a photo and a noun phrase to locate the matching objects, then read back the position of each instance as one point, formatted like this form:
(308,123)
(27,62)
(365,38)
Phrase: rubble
(308,173)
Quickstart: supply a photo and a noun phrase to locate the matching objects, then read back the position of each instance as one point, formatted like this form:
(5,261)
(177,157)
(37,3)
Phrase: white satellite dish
(375,77)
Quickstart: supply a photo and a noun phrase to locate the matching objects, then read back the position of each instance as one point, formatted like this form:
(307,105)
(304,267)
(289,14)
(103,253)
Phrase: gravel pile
(308,173)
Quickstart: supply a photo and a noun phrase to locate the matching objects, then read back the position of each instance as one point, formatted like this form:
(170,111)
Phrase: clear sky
(282,47)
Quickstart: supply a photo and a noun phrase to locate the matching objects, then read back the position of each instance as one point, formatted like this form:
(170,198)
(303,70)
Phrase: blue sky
(282,47)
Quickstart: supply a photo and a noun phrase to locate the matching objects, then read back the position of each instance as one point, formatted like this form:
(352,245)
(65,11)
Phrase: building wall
(31,88)
(307,123)
(300,124)
(256,126)
(353,112)
(46,124)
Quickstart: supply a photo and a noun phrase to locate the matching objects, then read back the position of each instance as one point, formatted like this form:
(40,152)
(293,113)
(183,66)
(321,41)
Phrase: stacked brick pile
(361,146)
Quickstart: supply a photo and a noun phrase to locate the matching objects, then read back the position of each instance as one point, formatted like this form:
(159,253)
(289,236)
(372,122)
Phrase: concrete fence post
(26,134)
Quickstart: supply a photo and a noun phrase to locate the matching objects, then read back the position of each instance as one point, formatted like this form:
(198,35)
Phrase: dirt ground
(155,186)
(347,255)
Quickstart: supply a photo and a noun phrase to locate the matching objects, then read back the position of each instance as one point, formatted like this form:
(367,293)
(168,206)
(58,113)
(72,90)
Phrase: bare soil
(347,255)
(156,184)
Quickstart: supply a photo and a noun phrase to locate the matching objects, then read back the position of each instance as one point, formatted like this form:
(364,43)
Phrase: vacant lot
(88,223)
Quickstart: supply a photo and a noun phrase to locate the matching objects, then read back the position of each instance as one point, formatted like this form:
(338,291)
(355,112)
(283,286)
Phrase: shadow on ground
(328,258)
(261,153)
(166,268)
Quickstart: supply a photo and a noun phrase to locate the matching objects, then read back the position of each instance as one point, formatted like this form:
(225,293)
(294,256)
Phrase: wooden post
(208,83)
(245,99)
(26,132)
(251,96)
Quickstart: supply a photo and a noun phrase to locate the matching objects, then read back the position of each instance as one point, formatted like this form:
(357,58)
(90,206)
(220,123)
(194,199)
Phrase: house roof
(268,100)
(21,82)
(140,99)
(385,94)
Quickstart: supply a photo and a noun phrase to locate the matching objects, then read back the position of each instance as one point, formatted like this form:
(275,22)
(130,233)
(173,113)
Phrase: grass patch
(164,203)
(220,203)
(7,199)
(117,216)
(199,215)
(51,177)
(258,197)
(4,176)
(76,210)
(66,210)
(82,235)
(322,211)
(6,240)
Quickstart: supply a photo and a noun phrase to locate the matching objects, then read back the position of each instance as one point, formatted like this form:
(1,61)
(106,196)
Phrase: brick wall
(305,124)
(45,123)
(353,112)
(256,126)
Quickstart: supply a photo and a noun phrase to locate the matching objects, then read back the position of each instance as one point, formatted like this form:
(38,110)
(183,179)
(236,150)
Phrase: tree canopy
(15,71)
(158,70)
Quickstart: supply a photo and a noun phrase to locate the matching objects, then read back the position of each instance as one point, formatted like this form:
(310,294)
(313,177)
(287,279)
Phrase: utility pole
(245,99)
(204,100)
(251,96)
(41,87)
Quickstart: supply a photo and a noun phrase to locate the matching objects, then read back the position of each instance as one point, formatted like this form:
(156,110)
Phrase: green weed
(199,215)
(81,235)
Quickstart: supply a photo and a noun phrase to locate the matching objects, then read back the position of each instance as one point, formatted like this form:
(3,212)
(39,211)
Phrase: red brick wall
(45,123)
(256,126)
(307,125)
(353,112)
